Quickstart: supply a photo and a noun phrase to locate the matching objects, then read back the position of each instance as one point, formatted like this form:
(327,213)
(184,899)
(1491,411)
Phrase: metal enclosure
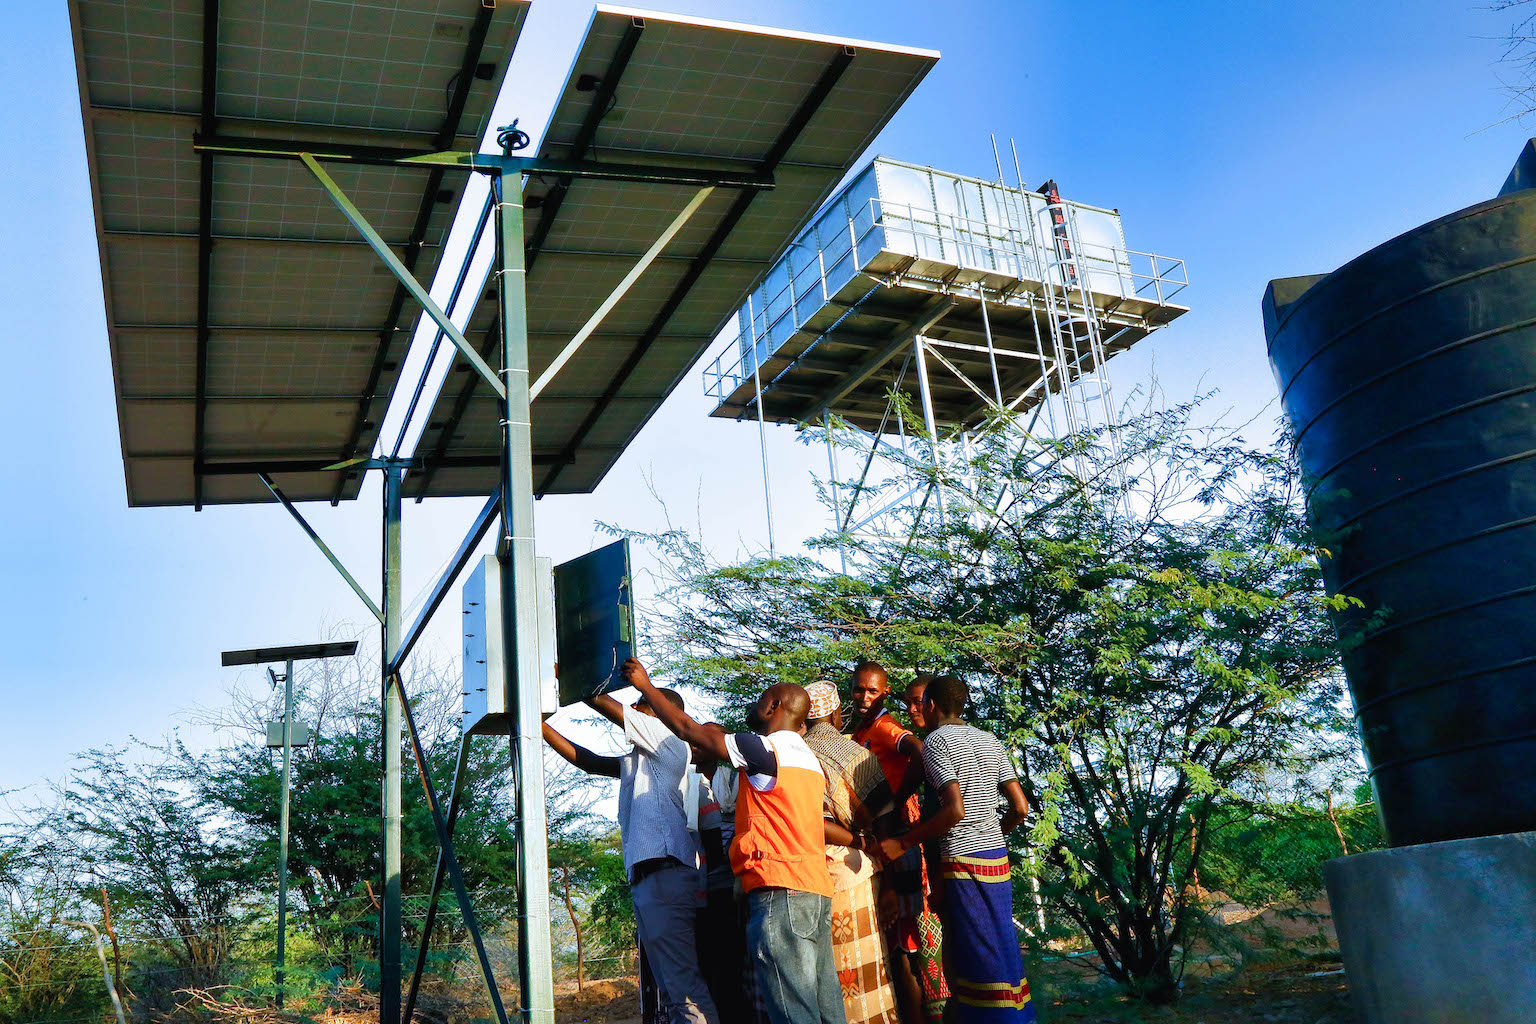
(300,734)
(1409,376)
(594,621)
(486,702)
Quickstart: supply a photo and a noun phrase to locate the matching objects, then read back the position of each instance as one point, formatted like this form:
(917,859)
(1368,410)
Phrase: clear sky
(1254,140)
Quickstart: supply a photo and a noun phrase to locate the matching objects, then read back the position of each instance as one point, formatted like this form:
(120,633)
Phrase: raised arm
(710,739)
(951,811)
(605,705)
(1018,806)
(581,757)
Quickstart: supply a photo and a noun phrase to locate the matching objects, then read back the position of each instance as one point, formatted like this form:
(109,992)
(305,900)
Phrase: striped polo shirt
(977,761)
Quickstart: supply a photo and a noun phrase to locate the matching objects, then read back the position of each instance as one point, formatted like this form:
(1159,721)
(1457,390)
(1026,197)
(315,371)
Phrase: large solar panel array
(648,88)
(247,321)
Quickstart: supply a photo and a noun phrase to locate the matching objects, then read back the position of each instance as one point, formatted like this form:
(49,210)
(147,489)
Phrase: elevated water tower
(963,295)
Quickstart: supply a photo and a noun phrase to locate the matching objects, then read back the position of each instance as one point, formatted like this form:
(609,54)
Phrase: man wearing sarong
(856,795)
(912,931)
(779,852)
(970,770)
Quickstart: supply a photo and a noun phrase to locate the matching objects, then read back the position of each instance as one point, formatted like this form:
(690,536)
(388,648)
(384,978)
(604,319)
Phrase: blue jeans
(789,940)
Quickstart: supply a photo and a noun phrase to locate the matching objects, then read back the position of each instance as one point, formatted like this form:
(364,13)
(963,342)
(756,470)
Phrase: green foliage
(1273,854)
(1141,618)
(334,854)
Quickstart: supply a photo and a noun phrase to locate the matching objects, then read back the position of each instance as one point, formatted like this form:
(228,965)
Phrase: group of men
(792,874)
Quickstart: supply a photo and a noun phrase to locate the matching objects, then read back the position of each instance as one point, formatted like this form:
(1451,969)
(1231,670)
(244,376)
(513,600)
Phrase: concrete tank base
(1443,933)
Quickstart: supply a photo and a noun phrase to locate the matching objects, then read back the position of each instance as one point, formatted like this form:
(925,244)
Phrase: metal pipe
(618,293)
(282,833)
(519,609)
(357,588)
(455,799)
(837,501)
(986,325)
(929,421)
(389,915)
(762,445)
(402,272)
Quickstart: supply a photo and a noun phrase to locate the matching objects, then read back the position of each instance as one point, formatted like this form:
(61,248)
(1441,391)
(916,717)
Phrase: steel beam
(357,588)
(520,617)
(455,799)
(931,313)
(207,121)
(448,858)
(401,271)
(618,293)
(485,163)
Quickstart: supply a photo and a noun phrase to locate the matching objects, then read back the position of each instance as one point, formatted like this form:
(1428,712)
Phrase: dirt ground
(601,1002)
(1283,995)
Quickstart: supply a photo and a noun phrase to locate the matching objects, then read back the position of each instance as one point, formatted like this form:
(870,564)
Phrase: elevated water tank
(1409,376)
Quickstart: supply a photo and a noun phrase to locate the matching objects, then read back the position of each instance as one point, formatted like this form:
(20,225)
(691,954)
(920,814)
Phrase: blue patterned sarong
(982,961)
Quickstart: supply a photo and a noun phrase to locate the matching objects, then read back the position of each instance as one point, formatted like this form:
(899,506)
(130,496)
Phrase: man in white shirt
(660,855)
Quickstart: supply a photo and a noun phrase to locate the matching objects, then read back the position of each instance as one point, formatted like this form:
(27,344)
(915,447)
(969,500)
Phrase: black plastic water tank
(1409,376)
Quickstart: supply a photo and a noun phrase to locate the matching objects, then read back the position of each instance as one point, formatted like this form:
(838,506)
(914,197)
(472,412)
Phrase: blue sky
(1254,140)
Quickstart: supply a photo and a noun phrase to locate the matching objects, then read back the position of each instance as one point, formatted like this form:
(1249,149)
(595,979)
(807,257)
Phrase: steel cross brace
(446,858)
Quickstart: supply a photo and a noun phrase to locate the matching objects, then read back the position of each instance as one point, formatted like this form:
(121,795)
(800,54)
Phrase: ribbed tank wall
(1409,376)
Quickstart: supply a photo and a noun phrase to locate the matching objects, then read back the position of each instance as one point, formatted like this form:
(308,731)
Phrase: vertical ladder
(1073,317)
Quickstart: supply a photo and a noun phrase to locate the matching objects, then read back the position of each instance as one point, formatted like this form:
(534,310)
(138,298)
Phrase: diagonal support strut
(325,550)
(402,273)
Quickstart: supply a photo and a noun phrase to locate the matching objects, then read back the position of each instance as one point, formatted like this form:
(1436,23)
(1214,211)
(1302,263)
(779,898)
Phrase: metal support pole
(389,914)
(519,604)
(986,325)
(762,444)
(837,500)
(282,834)
(929,421)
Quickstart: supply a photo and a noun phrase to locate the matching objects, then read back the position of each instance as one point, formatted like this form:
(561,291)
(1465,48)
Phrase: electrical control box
(298,737)
(488,707)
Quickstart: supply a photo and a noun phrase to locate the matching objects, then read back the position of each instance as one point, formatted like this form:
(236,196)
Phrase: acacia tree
(1140,615)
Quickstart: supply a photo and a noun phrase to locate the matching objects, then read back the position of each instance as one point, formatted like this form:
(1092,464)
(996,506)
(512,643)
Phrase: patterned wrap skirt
(858,943)
(983,964)
(912,927)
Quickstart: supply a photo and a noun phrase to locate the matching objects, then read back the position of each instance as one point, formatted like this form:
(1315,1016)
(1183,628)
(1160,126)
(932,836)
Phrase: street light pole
(287,655)
(282,833)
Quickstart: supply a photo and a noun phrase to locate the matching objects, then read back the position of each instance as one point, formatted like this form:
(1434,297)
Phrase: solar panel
(247,321)
(659,88)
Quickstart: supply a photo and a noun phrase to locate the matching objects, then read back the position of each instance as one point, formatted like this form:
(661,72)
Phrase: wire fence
(1258,892)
